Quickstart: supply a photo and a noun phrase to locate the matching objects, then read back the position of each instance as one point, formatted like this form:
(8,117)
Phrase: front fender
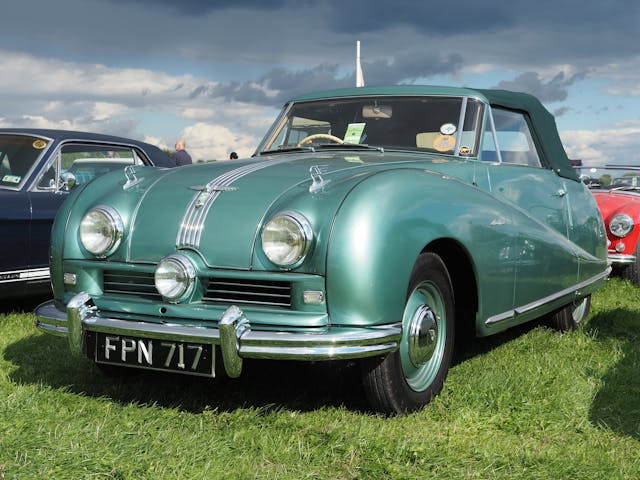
(387,220)
(56,244)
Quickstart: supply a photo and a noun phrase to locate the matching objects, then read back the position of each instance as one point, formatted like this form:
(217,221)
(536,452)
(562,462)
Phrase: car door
(546,258)
(15,217)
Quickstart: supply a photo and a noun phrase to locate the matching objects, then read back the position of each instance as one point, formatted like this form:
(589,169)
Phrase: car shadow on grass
(617,404)
(270,385)
(469,346)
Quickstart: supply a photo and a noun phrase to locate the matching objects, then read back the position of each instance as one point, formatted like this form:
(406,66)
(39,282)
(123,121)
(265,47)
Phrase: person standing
(180,155)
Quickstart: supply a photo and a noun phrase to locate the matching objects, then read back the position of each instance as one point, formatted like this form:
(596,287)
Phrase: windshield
(611,177)
(18,154)
(444,125)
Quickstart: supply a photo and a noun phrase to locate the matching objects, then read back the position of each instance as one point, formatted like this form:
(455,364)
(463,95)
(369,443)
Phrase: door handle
(560,193)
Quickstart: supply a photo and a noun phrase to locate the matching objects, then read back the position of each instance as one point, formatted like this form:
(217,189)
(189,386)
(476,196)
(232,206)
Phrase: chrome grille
(219,290)
(138,284)
(246,291)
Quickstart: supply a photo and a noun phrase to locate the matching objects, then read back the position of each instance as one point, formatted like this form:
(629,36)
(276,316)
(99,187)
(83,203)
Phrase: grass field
(530,404)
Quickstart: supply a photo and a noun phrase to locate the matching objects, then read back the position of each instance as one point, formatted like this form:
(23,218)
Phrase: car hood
(611,203)
(217,210)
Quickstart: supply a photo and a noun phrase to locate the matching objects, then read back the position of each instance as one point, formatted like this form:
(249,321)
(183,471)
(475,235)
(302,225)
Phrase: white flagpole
(359,76)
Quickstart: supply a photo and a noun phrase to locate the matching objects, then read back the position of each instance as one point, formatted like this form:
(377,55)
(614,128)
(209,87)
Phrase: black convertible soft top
(545,125)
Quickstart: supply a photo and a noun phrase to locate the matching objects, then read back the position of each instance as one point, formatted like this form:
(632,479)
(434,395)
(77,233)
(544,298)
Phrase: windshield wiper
(357,146)
(289,149)
(329,146)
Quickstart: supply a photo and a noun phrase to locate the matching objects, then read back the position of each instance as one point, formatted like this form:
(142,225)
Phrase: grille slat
(253,292)
(124,285)
(131,284)
(218,290)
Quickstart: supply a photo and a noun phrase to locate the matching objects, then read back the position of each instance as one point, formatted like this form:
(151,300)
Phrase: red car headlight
(621,225)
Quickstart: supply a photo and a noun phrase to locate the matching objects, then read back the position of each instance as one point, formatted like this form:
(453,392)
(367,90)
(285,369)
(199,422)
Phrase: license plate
(166,355)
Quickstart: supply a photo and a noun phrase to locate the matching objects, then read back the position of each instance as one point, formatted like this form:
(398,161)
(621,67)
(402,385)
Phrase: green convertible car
(371,223)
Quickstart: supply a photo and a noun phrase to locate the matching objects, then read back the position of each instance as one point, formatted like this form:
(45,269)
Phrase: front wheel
(410,377)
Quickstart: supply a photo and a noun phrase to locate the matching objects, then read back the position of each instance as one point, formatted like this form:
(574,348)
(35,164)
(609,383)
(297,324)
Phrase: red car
(616,189)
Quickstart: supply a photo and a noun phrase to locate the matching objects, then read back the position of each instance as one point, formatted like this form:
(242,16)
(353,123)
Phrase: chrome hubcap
(423,335)
(578,311)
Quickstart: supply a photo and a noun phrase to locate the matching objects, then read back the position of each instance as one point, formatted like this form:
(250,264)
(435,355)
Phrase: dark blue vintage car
(38,168)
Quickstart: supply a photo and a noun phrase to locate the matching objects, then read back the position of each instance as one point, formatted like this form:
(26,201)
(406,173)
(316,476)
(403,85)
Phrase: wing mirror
(67,181)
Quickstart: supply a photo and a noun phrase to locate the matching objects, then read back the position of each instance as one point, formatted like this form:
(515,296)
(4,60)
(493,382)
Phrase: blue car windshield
(18,154)
(436,124)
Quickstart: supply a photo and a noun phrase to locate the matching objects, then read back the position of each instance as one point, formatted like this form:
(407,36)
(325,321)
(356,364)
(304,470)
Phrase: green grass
(530,404)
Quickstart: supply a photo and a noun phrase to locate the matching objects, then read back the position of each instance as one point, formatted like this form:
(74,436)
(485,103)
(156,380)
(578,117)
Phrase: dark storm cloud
(446,18)
(406,67)
(362,16)
(554,90)
(558,112)
(201,7)
(280,82)
(284,84)
(519,34)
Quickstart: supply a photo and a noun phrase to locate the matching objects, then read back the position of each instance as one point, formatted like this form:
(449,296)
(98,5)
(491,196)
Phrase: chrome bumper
(234,335)
(621,258)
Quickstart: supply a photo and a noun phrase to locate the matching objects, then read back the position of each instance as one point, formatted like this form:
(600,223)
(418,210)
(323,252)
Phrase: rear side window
(514,138)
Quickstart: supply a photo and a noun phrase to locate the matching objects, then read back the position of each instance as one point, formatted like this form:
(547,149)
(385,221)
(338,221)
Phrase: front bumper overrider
(233,334)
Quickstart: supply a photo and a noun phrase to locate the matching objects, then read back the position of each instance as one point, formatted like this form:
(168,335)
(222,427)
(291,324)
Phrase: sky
(216,73)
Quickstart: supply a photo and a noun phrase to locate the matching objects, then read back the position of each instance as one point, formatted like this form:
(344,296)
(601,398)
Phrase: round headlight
(286,239)
(174,275)
(621,225)
(101,230)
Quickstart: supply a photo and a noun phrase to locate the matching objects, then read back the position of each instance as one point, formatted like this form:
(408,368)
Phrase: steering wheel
(326,136)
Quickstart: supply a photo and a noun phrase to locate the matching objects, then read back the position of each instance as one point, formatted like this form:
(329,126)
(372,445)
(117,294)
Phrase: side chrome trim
(234,335)
(24,275)
(571,293)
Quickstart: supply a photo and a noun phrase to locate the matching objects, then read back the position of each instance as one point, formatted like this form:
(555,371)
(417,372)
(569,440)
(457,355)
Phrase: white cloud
(157,141)
(215,142)
(106,110)
(619,145)
(38,121)
(196,113)
(49,93)
(36,76)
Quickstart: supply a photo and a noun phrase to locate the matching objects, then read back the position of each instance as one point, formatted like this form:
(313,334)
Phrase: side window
(515,142)
(77,164)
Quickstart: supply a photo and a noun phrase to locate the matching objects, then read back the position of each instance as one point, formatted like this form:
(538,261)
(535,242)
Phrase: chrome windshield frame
(283,117)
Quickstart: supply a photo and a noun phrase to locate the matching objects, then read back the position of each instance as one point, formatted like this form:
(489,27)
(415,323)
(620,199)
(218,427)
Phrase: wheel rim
(422,346)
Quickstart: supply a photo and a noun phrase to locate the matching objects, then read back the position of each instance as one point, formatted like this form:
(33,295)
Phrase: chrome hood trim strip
(192,224)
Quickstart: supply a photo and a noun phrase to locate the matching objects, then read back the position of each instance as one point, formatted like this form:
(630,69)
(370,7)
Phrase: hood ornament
(317,181)
(130,177)
(207,190)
